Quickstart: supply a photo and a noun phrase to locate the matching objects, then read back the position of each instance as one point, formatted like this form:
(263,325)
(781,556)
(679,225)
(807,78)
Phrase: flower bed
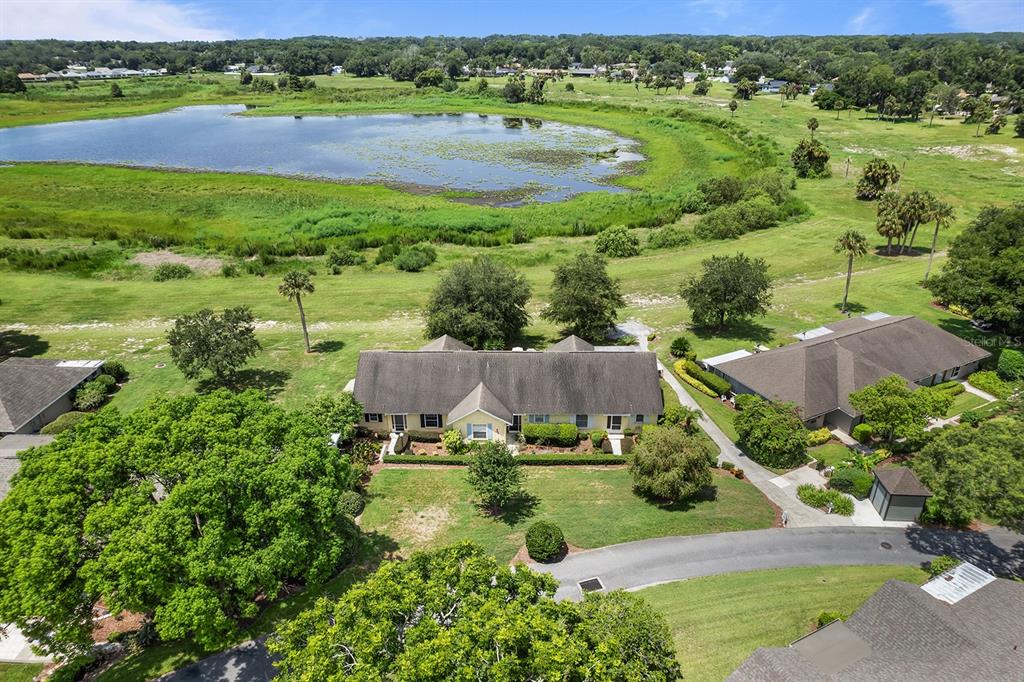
(542,459)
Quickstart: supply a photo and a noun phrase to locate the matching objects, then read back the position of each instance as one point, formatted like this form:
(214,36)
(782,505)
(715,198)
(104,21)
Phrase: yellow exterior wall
(499,429)
(598,422)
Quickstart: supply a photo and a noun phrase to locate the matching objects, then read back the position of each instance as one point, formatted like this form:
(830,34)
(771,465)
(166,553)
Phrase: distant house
(34,392)
(582,72)
(773,86)
(963,625)
(819,373)
(488,395)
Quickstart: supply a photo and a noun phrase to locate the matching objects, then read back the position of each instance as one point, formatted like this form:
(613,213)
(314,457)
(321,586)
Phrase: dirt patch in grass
(154,258)
(423,525)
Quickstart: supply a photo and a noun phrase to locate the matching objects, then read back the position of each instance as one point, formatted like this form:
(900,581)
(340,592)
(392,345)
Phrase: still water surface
(524,158)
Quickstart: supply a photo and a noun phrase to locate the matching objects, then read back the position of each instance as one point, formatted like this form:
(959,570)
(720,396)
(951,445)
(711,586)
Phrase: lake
(494,159)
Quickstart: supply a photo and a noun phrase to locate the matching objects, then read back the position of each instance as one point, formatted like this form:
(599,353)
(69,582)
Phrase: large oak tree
(190,511)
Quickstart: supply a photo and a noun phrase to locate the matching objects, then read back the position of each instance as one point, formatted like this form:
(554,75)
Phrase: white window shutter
(490,432)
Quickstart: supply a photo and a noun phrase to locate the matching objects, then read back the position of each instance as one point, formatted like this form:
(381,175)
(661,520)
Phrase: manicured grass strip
(831,454)
(19,672)
(717,622)
(425,507)
(963,402)
(716,411)
(525,459)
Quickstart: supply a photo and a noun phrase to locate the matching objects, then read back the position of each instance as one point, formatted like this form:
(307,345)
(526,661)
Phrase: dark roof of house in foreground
(819,373)
(902,481)
(903,633)
(526,382)
(30,385)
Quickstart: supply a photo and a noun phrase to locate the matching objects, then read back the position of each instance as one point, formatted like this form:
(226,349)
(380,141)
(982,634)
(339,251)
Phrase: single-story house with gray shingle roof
(962,625)
(819,373)
(34,392)
(488,394)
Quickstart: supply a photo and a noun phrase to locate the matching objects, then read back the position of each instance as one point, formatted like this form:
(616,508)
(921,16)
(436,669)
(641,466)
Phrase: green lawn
(19,672)
(717,622)
(963,402)
(832,454)
(715,410)
(428,507)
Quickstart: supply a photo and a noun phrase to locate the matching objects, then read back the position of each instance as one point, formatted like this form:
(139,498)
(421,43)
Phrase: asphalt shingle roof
(902,481)
(818,374)
(525,382)
(906,634)
(30,385)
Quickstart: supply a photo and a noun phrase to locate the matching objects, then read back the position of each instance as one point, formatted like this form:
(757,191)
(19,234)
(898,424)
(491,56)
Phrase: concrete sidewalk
(778,489)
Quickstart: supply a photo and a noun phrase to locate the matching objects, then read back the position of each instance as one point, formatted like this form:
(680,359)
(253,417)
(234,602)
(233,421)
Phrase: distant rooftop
(30,385)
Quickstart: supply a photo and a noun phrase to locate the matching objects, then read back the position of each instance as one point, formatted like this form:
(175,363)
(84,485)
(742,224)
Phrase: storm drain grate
(591,585)
(885,545)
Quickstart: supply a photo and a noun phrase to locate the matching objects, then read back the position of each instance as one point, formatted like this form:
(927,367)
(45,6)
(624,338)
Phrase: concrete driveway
(649,562)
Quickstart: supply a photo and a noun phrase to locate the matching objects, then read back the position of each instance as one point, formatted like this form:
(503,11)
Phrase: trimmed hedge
(63,423)
(862,432)
(820,498)
(856,482)
(562,435)
(709,379)
(351,503)
(990,382)
(950,387)
(544,541)
(819,437)
(680,369)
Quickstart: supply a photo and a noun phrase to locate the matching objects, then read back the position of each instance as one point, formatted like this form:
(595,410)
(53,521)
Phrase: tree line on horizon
(971,61)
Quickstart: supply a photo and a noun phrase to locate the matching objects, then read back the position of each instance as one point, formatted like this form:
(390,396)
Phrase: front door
(517,423)
(614,422)
(398,423)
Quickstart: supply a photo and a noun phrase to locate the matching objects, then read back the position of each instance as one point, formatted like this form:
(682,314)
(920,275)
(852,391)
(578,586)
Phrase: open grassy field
(717,622)
(422,508)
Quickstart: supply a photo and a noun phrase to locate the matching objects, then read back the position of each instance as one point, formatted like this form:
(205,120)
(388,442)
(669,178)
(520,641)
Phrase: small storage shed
(898,495)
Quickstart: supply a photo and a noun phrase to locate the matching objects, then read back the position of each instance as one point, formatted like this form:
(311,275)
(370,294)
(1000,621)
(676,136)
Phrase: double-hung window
(539,418)
(430,421)
(478,432)
(955,372)
(583,421)
(372,417)
(638,419)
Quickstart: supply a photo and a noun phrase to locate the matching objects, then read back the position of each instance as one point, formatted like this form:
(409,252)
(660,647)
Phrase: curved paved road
(649,562)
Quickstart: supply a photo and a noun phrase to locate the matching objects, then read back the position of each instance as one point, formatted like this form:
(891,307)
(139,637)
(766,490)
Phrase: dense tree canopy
(896,411)
(869,69)
(671,463)
(190,511)
(482,302)
(584,297)
(975,472)
(219,344)
(772,433)
(985,269)
(459,614)
(730,288)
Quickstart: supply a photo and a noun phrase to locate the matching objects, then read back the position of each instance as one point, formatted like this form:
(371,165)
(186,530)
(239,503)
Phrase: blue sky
(221,19)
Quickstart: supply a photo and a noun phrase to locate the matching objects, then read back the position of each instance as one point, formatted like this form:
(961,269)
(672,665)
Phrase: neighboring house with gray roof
(10,446)
(34,392)
(818,373)
(962,625)
(486,395)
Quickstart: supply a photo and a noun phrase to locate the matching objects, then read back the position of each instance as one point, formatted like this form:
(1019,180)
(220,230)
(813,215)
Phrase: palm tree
(888,222)
(853,244)
(812,125)
(915,208)
(942,214)
(294,285)
(732,107)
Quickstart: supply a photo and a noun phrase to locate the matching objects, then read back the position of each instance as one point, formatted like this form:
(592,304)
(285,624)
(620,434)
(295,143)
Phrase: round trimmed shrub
(116,369)
(862,432)
(856,482)
(544,541)
(351,503)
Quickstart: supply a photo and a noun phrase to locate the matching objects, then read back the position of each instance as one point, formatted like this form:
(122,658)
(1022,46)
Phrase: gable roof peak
(571,343)
(445,342)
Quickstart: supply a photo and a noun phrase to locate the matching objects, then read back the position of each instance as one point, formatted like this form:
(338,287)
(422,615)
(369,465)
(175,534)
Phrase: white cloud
(143,20)
(984,16)
(859,23)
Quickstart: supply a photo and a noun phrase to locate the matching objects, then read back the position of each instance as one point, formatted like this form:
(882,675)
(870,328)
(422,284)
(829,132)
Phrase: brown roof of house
(902,481)
(525,382)
(30,385)
(819,374)
(903,633)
